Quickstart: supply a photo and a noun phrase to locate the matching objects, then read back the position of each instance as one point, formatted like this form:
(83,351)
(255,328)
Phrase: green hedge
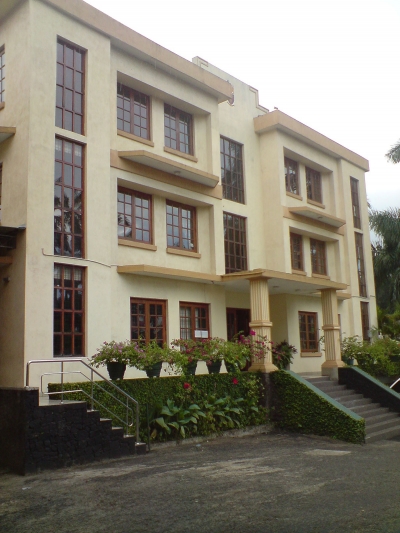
(299,406)
(158,390)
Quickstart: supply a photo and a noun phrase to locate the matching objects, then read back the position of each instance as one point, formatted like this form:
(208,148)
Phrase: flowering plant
(191,351)
(237,352)
(111,352)
(144,356)
(282,354)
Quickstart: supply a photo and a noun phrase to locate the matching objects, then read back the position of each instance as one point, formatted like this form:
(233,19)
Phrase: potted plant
(211,351)
(282,354)
(114,355)
(236,354)
(185,356)
(149,357)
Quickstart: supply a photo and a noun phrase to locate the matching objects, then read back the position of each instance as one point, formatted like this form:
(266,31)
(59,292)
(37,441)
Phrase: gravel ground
(276,482)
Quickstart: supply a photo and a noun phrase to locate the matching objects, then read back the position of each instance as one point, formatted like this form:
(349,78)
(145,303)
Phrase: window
(68,199)
(308,324)
(365,320)
(232,170)
(69,315)
(292,176)
(134,215)
(362,283)
(318,257)
(355,201)
(235,243)
(1,179)
(194,322)
(133,111)
(178,130)
(70,87)
(314,186)
(2,74)
(296,251)
(148,320)
(181,226)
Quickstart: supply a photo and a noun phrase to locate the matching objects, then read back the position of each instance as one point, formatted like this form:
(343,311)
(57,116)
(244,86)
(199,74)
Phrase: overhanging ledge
(6,133)
(159,162)
(319,216)
(171,273)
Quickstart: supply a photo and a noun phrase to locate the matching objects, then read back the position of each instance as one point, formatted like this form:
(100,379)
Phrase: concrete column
(260,323)
(331,331)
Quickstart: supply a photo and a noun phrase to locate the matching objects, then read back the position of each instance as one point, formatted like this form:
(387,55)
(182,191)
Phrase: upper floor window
(134,215)
(133,111)
(292,176)
(178,129)
(2,74)
(148,320)
(181,226)
(296,251)
(70,87)
(362,283)
(194,321)
(314,185)
(355,202)
(235,243)
(308,325)
(318,257)
(232,170)
(69,323)
(68,199)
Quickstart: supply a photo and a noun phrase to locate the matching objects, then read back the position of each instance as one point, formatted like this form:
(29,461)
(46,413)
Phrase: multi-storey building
(145,196)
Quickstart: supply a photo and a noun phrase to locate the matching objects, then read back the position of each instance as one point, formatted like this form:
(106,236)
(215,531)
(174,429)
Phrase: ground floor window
(148,320)
(308,324)
(194,321)
(365,320)
(68,325)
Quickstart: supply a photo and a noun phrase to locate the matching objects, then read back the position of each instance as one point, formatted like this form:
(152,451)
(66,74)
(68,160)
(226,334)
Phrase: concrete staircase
(380,422)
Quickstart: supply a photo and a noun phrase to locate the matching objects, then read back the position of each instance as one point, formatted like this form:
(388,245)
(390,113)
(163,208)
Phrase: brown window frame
(234,238)
(70,87)
(310,341)
(172,133)
(296,256)
(232,178)
(144,334)
(67,176)
(2,74)
(318,258)
(365,325)
(314,185)
(355,202)
(292,176)
(63,293)
(135,107)
(193,308)
(136,215)
(182,209)
(362,281)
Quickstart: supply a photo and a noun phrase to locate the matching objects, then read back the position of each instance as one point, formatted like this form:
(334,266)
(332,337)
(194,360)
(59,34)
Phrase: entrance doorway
(237,320)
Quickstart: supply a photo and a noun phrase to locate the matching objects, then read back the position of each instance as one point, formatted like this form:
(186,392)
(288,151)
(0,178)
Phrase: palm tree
(393,154)
(386,256)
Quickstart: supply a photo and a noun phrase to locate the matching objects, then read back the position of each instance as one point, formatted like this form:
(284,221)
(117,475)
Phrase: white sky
(331,65)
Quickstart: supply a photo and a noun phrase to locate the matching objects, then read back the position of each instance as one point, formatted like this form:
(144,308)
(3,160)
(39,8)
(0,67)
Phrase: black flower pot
(214,367)
(191,368)
(154,371)
(116,370)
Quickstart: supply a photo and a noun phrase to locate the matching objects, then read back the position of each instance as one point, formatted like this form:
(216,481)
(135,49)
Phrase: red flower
(252,332)
(235,381)
(187,386)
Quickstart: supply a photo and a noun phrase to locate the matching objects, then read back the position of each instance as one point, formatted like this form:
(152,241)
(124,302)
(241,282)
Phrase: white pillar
(331,331)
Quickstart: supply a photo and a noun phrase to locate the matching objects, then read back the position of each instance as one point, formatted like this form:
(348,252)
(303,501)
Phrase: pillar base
(330,368)
(263,367)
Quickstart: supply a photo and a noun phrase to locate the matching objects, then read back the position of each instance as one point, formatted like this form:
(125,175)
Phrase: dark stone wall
(34,437)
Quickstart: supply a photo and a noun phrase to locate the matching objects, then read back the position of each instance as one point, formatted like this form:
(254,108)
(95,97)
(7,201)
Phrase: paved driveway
(255,484)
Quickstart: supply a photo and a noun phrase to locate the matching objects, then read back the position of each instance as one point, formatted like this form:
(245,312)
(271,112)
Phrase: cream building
(144,195)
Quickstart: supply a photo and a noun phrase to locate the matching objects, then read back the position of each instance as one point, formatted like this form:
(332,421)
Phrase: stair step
(382,424)
(383,434)
(355,403)
(321,379)
(384,417)
(345,394)
(370,409)
(328,388)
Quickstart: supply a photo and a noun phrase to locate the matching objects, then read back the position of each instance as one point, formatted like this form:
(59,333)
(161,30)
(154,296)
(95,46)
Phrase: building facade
(142,195)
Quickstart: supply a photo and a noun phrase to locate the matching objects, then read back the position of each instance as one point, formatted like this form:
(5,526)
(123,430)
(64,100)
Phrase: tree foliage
(393,155)
(386,256)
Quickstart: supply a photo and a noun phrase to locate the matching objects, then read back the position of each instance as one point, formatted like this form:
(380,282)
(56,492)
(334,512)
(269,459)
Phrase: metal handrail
(63,360)
(393,384)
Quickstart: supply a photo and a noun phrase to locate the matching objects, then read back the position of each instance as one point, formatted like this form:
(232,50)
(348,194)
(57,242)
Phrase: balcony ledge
(317,215)
(6,133)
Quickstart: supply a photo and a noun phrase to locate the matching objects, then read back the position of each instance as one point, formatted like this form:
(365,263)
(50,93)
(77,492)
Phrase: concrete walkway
(255,484)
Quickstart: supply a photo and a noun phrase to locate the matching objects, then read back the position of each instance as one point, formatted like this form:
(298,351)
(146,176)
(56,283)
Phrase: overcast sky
(331,65)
